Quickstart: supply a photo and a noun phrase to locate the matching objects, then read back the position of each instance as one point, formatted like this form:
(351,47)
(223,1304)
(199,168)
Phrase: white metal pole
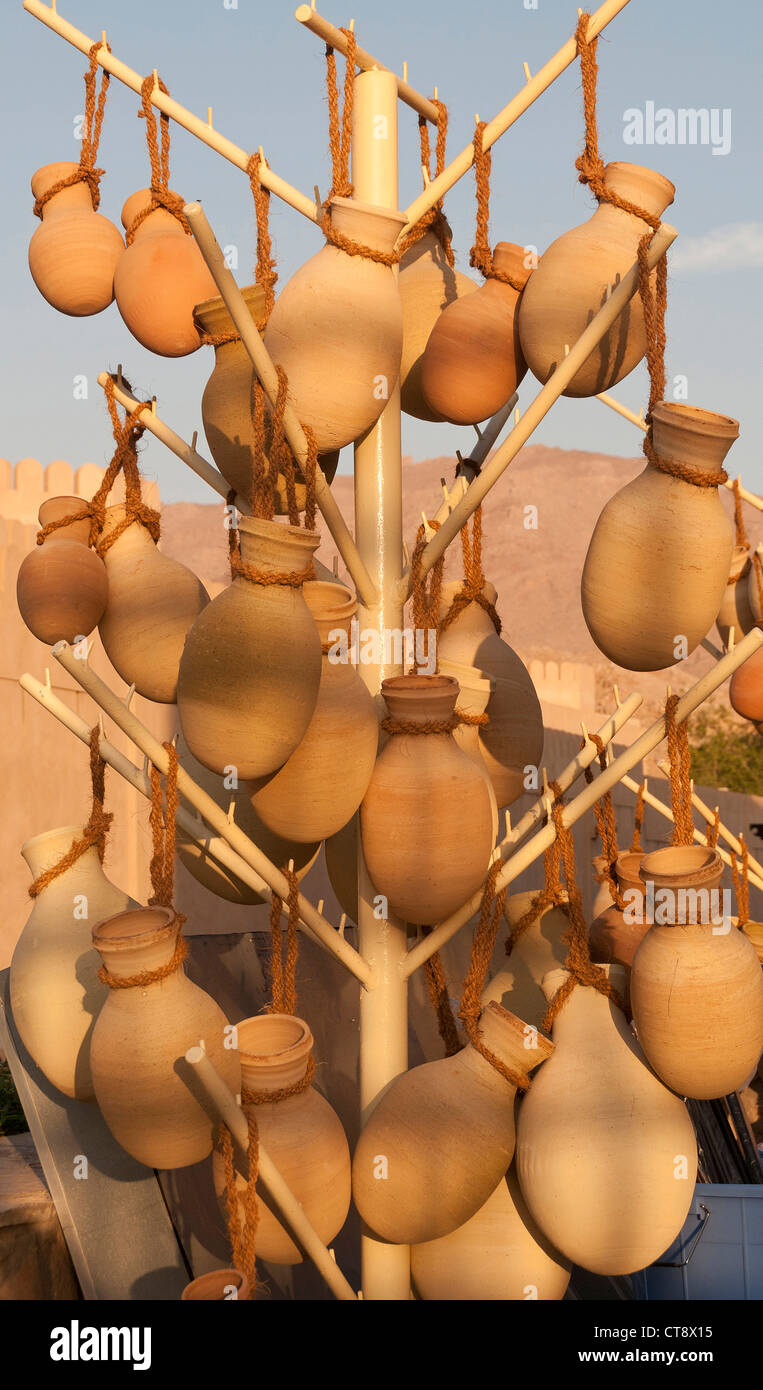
(379,537)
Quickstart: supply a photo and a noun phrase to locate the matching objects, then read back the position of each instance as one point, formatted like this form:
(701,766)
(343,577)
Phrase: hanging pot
(474,691)
(220,1285)
(539,949)
(337,329)
(428,285)
(140,1039)
(62,587)
(56,995)
(735,610)
(616,935)
(473,363)
(659,556)
(696,983)
(324,781)
(301,1133)
(442,1136)
(160,278)
(513,740)
(746,688)
(426,819)
(74,253)
(573,279)
(498,1255)
(251,666)
(606,1155)
(153,602)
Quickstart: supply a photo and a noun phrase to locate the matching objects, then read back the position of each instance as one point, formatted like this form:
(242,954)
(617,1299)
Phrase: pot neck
(139,939)
(55,509)
(134,537)
(375,227)
(214,317)
(585,1007)
(274,547)
(420,699)
(508,1037)
(473,617)
(75,198)
(697,439)
(333,607)
(159,220)
(45,851)
(274,1051)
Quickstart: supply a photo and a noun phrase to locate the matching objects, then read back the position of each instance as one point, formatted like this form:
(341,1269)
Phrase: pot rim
(215,1278)
(162,924)
(701,862)
(302,1040)
(696,420)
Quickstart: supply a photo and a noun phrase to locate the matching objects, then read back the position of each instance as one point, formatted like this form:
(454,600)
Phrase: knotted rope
(86,171)
(265,273)
(741,884)
(474,577)
(739,526)
(480,256)
(713,829)
(638,821)
(284,964)
(434,220)
(604,815)
(161,194)
(491,912)
(426,589)
(551,895)
(96,827)
(679,756)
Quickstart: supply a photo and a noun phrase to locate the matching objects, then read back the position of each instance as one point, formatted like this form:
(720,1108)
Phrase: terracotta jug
(198,858)
(746,688)
(427,285)
(442,1136)
(754,933)
(498,1255)
(735,610)
(426,819)
(696,985)
(61,588)
(226,405)
(606,1155)
(474,691)
(572,281)
(55,991)
(302,1134)
(324,781)
(616,935)
(153,601)
(251,666)
(513,740)
(140,1039)
(337,329)
(74,253)
(473,362)
(219,1286)
(159,280)
(538,950)
(643,586)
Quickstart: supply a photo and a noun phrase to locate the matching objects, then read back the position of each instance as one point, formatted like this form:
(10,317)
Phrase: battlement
(24,488)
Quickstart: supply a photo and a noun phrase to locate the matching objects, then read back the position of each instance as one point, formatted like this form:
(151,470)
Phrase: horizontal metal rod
(667,814)
(315,22)
(193,124)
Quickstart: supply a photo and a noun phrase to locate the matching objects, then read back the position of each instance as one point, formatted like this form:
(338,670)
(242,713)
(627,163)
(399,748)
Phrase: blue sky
(264,77)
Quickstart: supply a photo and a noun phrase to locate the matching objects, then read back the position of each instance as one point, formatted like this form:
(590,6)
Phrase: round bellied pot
(160,279)
(62,586)
(74,253)
(754,933)
(736,610)
(220,1285)
(539,948)
(428,286)
(746,688)
(616,934)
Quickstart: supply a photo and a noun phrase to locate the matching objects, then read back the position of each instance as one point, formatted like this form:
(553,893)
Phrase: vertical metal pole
(379,537)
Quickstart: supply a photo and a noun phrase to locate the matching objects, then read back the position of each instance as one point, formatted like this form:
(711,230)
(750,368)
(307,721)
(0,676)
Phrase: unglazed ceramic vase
(513,740)
(159,280)
(616,935)
(746,688)
(337,329)
(659,556)
(498,1255)
(696,982)
(572,281)
(754,933)
(226,405)
(61,588)
(427,818)
(538,950)
(74,253)
(219,1286)
(55,991)
(153,602)
(198,858)
(735,610)
(324,781)
(251,667)
(606,1155)
(140,1040)
(474,691)
(442,1136)
(302,1135)
(427,285)
(473,362)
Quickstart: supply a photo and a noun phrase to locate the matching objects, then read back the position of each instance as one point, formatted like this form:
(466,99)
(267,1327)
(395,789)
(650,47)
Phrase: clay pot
(735,610)
(55,991)
(473,362)
(226,406)
(696,989)
(153,602)
(746,688)
(198,858)
(538,950)
(616,935)
(140,1039)
(754,933)
(572,281)
(324,781)
(606,1155)
(643,584)
(442,1136)
(74,253)
(342,867)
(301,1134)
(427,285)
(426,819)
(337,329)
(513,740)
(474,691)
(159,280)
(251,666)
(220,1285)
(498,1255)
(61,588)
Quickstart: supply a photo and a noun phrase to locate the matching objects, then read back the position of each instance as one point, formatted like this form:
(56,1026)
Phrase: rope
(284,966)
(440,1000)
(265,273)
(340,140)
(474,577)
(551,895)
(434,220)
(491,911)
(480,256)
(741,884)
(147,977)
(426,589)
(604,815)
(713,830)
(430,726)
(86,171)
(96,827)
(161,194)
(679,755)
(739,526)
(638,821)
